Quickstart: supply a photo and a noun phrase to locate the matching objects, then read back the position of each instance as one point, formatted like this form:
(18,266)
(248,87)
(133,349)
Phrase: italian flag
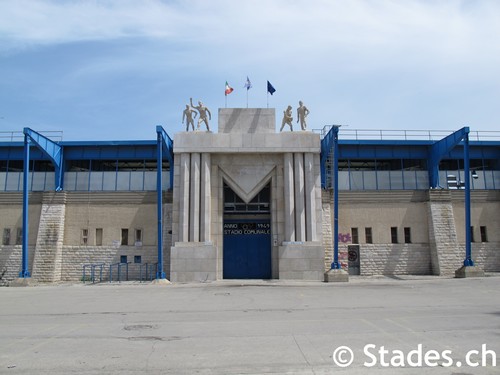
(229,89)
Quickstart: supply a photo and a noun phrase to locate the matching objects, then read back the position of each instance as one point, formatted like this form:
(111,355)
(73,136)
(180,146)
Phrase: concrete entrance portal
(247,201)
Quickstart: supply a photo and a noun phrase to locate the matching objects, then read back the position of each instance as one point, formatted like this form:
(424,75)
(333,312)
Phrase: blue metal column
(159,190)
(468,250)
(24,265)
(336,264)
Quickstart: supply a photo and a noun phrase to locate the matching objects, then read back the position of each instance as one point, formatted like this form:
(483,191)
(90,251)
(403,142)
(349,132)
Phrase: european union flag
(270,88)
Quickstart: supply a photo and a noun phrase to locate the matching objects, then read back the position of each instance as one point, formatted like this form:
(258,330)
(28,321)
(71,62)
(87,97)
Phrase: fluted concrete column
(289,197)
(194,204)
(184,198)
(310,197)
(300,217)
(205,212)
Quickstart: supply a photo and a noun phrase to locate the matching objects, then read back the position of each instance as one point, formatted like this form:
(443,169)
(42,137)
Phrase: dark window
(414,164)
(6,236)
(354,234)
(103,165)
(43,166)
(472,234)
(78,165)
(407,234)
(123,259)
(124,237)
(98,237)
(389,165)
(19,236)
(85,237)
(484,234)
(138,237)
(15,166)
(368,235)
(394,234)
(137,259)
(259,204)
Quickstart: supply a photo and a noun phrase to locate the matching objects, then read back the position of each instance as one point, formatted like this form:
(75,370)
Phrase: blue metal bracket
(52,150)
(439,150)
(168,148)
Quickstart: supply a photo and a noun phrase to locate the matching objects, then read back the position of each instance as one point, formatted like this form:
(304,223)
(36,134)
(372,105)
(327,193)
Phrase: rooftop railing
(407,135)
(17,136)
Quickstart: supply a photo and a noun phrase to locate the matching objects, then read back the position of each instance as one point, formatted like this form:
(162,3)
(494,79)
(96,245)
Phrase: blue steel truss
(50,149)
(440,149)
(55,153)
(435,152)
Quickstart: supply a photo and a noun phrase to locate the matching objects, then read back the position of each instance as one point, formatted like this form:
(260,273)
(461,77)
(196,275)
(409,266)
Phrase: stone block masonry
(48,251)
(446,256)
(74,257)
(394,259)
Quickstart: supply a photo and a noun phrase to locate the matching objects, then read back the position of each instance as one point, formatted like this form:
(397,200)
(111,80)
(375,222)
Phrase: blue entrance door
(247,249)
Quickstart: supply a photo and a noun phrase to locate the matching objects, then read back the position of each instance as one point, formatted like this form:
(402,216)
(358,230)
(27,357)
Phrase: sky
(114,69)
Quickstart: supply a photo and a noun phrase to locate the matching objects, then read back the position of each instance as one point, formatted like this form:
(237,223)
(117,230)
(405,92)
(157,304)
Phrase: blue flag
(248,84)
(270,88)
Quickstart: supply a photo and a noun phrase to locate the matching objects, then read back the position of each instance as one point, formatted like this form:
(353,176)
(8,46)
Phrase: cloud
(366,57)
(356,35)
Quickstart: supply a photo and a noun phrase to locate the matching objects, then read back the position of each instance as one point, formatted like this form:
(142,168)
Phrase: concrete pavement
(253,327)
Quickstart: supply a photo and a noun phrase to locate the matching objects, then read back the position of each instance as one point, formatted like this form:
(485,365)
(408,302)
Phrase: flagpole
(268,99)
(247,97)
(225,101)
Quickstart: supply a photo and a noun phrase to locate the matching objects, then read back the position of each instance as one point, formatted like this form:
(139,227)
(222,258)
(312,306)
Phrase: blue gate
(247,249)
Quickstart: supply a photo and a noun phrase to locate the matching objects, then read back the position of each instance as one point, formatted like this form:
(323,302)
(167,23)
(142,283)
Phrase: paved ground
(259,327)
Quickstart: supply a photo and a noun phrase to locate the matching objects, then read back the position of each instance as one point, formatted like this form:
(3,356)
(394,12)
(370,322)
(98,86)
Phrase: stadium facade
(249,202)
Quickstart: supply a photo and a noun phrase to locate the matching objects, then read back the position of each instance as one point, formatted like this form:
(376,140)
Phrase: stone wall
(486,255)
(193,262)
(75,257)
(445,253)
(394,259)
(48,250)
(327,206)
(11,211)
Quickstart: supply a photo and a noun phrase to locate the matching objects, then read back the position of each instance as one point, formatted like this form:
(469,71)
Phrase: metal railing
(407,135)
(148,270)
(18,136)
(119,266)
(92,267)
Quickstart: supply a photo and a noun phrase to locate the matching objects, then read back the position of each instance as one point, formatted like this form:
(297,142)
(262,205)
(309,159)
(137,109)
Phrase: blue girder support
(468,262)
(25,273)
(439,149)
(164,144)
(50,149)
(327,143)
(54,152)
(331,140)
